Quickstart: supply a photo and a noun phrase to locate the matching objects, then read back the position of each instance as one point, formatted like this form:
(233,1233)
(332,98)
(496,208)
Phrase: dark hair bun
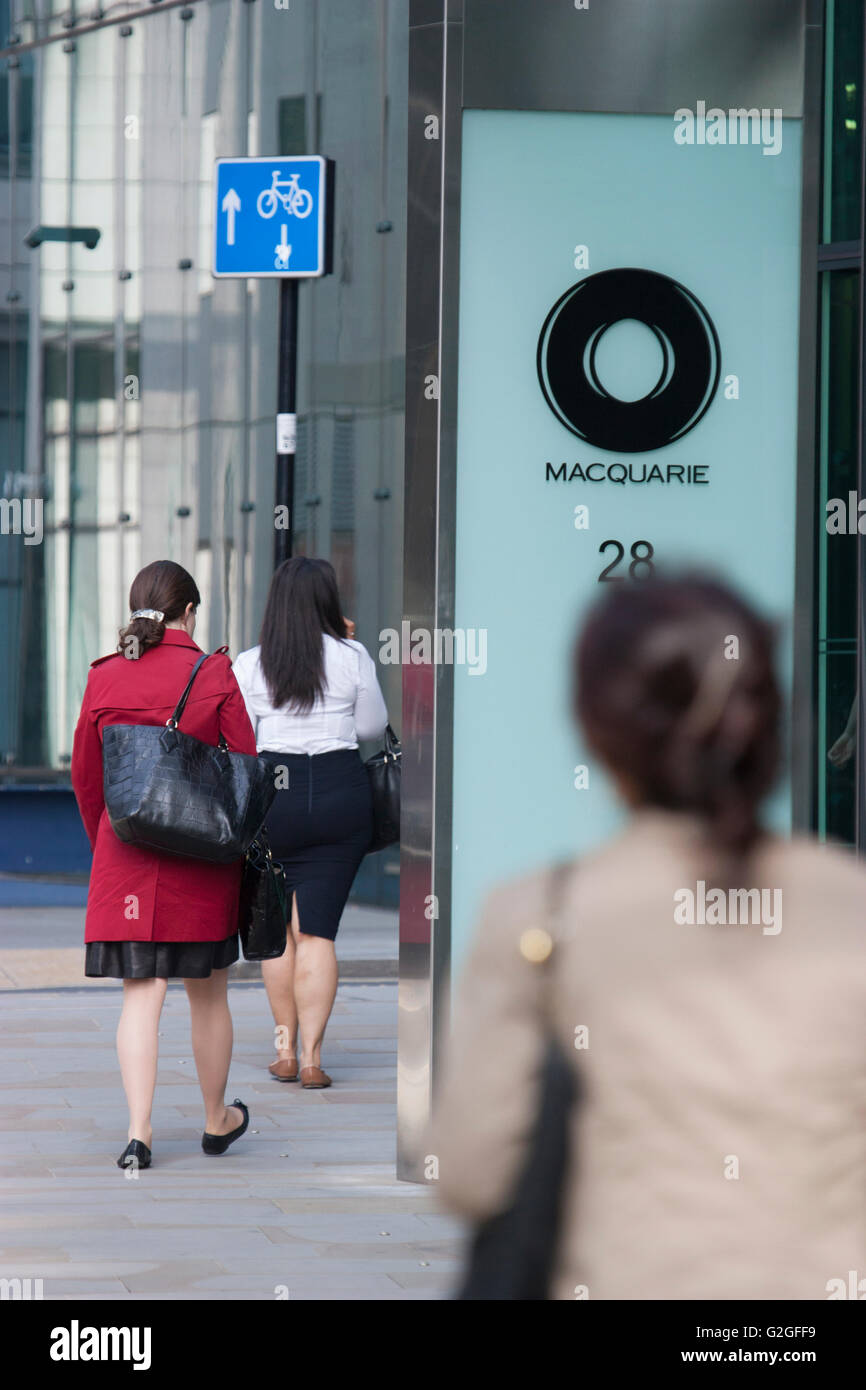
(675,686)
(167,588)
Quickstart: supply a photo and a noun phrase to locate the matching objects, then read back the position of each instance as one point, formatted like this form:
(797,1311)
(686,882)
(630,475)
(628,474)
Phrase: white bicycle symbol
(295,200)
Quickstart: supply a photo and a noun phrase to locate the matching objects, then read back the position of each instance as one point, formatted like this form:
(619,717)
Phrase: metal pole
(287,383)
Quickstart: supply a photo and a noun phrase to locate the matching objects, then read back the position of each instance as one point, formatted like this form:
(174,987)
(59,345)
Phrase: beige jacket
(720,1144)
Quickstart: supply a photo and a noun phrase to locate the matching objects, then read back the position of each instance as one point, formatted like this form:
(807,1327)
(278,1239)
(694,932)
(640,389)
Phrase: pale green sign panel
(604,260)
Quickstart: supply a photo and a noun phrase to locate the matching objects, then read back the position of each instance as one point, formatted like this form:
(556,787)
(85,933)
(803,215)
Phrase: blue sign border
(324,210)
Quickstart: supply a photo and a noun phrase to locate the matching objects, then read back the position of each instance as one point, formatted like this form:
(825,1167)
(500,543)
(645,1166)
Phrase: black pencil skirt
(320,827)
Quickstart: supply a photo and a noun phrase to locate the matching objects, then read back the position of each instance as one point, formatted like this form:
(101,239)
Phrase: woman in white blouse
(311,695)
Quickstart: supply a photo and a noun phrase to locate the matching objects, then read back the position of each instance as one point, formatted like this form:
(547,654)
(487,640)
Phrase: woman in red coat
(151,916)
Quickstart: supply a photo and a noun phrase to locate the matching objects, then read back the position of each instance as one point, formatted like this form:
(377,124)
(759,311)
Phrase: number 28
(641,561)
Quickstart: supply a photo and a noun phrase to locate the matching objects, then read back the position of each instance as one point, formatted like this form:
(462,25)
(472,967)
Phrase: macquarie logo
(77,1343)
(568,375)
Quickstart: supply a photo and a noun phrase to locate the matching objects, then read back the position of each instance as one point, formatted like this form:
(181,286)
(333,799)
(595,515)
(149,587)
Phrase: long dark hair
(166,587)
(303,604)
(675,686)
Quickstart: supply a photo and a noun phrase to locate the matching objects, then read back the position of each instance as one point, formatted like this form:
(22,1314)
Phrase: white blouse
(351,708)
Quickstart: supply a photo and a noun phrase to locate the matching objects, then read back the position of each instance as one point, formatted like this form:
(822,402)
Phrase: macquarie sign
(628,360)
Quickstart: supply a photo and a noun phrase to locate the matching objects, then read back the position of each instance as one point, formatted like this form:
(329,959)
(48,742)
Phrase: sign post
(287,420)
(273,219)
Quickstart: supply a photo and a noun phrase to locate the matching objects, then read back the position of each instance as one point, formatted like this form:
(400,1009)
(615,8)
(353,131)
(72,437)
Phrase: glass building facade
(137,393)
(559,159)
(839,444)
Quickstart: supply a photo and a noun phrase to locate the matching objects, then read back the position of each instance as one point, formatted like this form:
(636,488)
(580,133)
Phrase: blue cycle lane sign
(272,216)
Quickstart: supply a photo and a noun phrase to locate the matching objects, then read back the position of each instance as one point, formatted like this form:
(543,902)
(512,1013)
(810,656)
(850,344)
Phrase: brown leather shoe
(314,1079)
(284,1069)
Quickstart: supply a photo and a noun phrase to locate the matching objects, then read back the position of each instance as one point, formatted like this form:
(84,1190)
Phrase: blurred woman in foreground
(718,1148)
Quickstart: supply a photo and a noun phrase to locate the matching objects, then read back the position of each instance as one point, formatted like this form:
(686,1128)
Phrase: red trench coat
(140,894)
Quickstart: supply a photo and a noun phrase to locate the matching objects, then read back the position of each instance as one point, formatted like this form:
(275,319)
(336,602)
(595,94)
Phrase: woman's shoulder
(221,668)
(521,904)
(101,660)
(816,868)
(246,662)
(103,674)
(347,650)
(344,649)
(248,673)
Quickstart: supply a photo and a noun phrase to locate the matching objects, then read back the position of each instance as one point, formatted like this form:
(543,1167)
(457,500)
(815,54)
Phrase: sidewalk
(306,1206)
(42,948)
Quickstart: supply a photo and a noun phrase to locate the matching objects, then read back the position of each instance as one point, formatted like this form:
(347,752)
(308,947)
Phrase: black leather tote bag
(512,1253)
(262,909)
(384,773)
(169,791)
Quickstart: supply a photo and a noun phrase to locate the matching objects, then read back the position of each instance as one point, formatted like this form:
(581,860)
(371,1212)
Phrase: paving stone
(178,1275)
(425,1280)
(209,1212)
(75,1290)
(14,1254)
(60,1220)
(46,1023)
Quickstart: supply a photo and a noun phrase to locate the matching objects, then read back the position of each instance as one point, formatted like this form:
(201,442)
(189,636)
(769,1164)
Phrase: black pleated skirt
(320,827)
(159,960)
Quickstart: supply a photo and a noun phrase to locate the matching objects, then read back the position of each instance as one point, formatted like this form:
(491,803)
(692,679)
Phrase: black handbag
(169,791)
(384,773)
(262,907)
(512,1254)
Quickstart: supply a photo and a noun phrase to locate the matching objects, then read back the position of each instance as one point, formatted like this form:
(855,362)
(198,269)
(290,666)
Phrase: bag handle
(174,719)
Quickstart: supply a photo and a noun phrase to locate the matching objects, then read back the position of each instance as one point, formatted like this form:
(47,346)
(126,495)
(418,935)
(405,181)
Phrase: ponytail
(166,590)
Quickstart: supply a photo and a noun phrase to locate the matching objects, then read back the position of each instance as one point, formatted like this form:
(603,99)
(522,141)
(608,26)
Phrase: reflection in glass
(843,110)
(837,555)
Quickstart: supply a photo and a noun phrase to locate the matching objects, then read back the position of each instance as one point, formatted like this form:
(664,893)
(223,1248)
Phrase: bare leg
(315,989)
(212,1037)
(279,978)
(138,1051)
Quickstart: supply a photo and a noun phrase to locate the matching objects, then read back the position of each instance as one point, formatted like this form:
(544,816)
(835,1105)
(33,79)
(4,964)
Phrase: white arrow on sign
(231,204)
(282,251)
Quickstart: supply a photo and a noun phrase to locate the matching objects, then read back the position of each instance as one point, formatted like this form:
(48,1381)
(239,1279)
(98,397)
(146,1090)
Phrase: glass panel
(837,555)
(292,117)
(510,439)
(17,515)
(843,111)
(16,115)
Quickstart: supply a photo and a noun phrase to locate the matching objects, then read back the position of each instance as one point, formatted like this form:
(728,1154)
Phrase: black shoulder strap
(173,720)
